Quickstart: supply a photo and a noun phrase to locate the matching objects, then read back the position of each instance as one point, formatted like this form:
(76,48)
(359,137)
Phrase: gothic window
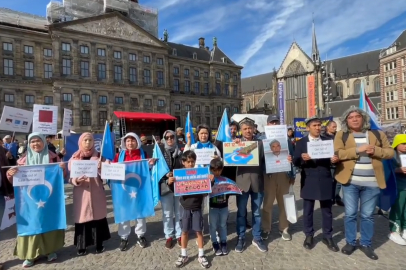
(339,88)
(377,85)
(357,87)
(295,68)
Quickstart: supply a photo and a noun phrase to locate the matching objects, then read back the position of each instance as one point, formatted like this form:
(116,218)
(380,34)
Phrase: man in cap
(316,184)
(250,179)
(275,186)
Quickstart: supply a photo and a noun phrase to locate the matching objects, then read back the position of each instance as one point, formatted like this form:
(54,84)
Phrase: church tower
(315,98)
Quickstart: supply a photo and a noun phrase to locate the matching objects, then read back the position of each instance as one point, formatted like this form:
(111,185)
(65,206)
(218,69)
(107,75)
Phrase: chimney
(201,43)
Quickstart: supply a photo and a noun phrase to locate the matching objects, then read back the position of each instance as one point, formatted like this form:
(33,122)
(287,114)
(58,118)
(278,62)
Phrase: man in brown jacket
(360,171)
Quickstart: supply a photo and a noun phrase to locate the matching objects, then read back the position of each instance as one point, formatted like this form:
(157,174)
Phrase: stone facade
(102,64)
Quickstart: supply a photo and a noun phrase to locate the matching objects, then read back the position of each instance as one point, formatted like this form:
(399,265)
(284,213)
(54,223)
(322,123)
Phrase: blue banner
(224,186)
(192,181)
(281,103)
(41,208)
(300,126)
(132,198)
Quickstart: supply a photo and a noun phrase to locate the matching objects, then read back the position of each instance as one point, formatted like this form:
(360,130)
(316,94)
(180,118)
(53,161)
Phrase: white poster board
(204,156)
(321,149)
(45,119)
(403,160)
(29,176)
(113,171)
(67,122)
(16,120)
(276,132)
(9,216)
(86,168)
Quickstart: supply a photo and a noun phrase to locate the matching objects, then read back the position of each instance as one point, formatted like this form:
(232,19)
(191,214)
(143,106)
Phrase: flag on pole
(389,194)
(159,170)
(189,129)
(223,132)
(107,149)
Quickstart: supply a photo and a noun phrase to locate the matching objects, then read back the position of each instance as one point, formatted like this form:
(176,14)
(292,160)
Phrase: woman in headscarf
(203,141)
(131,150)
(171,207)
(89,202)
(29,248)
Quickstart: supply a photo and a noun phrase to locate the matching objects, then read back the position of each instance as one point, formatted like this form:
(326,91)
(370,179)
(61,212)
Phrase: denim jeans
(367,197)
(218,223)
(171,209)
(256,202)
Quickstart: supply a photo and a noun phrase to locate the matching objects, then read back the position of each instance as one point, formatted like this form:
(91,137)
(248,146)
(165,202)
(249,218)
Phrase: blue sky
(257,34)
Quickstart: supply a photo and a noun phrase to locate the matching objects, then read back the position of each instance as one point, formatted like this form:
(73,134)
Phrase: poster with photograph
(276,154)
(67,122)
(45,119)
(16,120)
(241,154)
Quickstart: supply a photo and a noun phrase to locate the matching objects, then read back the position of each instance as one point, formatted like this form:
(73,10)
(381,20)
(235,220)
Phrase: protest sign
(67,122)
(224,186)
(321,149)
(16,120)
(9,215)
(204,156)
(86,168)
(29,176)
(192,181)
(241,154)
(114,171)
(45,119)
(276,154)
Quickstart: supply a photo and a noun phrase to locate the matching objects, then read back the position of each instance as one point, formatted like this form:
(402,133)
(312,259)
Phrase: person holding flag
(30,247)
(203,141)
(171,208)
(89,201)
(131,150)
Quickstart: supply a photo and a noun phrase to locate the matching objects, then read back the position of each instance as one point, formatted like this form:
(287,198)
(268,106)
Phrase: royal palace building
(100,60)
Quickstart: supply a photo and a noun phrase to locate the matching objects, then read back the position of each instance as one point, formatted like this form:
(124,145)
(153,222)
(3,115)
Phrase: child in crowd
(218,213)
(192,216)
(397,220)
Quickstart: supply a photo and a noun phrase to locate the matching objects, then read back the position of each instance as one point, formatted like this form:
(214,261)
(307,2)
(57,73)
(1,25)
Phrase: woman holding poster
(29,248)
(91,226)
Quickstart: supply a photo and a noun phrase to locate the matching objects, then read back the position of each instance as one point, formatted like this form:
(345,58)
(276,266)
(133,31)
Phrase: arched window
(377,85)
(339,89)
(248,105)
(357,87)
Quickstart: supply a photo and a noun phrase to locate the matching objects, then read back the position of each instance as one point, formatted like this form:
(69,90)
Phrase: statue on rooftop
(214,41)
(166,35)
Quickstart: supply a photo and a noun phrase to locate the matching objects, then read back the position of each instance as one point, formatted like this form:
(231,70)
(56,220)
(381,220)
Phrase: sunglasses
(169,138)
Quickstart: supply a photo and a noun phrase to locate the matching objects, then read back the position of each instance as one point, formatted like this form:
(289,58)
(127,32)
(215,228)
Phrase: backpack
(375,132)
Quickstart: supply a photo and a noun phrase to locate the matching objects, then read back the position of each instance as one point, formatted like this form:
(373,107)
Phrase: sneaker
(52,257)
(204,262)
(28,263)
(142,242)
(286,235)
(404,235)
(182,260)
(168,244)
(123,244)
(224,248)
(395,237)
(81,252)
(240,245)
(100,249)
(260,245)
(265,234)
(179,241)
(216,249)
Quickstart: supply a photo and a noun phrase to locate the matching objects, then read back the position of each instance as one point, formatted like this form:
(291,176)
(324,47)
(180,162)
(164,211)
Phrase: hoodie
(130,155)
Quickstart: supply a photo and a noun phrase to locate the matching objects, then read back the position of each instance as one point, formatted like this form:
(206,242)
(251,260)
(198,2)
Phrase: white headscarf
(130,134)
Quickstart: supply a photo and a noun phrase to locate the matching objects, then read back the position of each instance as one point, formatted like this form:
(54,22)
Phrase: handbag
(290,205)
(164,188)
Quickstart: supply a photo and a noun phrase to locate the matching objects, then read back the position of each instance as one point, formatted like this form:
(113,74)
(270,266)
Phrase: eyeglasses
(169,138)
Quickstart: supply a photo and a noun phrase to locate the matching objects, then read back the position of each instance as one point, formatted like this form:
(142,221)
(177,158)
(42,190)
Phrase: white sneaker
(404,235)
(395,237)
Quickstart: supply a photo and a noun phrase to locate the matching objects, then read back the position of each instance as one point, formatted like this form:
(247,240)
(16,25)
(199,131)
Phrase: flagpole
(102,145)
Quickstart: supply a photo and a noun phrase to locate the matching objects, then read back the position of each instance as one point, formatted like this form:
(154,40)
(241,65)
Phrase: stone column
(56,61)
(75,59)
(18,59)
(95,111)
(125,67)
(93,63)
(38,62)
(109,64)
(127,102)
(77,114)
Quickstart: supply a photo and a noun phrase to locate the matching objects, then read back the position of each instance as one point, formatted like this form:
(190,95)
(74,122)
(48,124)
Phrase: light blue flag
(389,194)
(132,198)
(159,170)
(41,208)
(189,129)
(107,150)
(223,132)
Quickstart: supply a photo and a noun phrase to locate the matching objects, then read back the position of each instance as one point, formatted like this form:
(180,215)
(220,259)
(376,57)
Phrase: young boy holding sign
(192,216)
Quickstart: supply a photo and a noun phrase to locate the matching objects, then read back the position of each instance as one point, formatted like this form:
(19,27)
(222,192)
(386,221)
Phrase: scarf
(121,157)
(200,145)
(35,158)
(174,149)
(83,153)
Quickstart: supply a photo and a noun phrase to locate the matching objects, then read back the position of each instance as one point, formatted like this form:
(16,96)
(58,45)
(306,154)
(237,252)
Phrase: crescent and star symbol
(132,194)
(40,203)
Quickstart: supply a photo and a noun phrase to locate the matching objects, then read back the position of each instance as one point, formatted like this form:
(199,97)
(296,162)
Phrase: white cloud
(334,27)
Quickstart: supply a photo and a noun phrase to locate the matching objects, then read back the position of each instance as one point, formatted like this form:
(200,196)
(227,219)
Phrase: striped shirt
(363,174)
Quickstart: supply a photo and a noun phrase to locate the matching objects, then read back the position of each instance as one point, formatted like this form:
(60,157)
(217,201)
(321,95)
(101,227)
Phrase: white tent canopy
(71,131)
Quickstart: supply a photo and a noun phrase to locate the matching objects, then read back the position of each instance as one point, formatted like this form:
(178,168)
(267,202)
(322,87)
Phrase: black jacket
(173,163)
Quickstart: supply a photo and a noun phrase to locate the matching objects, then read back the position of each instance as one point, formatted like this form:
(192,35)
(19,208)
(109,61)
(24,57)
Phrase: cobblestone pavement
(281,255)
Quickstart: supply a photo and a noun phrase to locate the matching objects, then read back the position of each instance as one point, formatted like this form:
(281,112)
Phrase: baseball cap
(273,117)
(179,129)
(7,137)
